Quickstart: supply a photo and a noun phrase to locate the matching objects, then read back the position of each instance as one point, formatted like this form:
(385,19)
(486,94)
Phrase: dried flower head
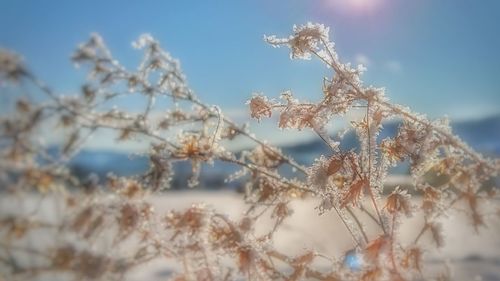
(305,40)
(398,202)
(260,106)
(11,67)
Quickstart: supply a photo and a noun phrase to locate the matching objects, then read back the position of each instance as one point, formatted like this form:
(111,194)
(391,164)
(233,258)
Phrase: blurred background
(439,58)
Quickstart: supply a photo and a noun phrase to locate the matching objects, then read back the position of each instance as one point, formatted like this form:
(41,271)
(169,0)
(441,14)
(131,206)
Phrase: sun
(363,4)
(355,6)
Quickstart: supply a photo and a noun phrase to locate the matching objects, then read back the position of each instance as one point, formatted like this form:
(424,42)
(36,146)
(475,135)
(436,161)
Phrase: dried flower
(398,202)
(412,259)
(260,106)
(11,67)
(305,40)
(354,193)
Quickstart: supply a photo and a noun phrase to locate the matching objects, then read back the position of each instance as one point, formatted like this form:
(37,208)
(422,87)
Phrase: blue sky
(438,57)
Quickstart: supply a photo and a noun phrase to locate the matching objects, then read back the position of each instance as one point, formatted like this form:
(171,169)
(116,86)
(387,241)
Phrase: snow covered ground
(469,255)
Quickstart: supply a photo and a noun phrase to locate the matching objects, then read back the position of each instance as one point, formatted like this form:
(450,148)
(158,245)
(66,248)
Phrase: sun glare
(355,6)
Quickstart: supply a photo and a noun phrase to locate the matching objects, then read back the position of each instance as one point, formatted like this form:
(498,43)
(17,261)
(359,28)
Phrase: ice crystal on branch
(306,38)
(398,202)
(260,107)
(354,179)
(11,67)
(351,184)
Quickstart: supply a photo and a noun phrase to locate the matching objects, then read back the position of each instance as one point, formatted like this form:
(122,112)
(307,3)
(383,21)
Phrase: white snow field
(470,256)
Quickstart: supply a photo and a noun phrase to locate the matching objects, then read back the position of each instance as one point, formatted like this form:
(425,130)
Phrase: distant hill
(483,135)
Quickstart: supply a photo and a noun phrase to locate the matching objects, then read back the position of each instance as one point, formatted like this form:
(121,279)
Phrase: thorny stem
(216,132)
(370,215)
(426,224)
(323,139)
(149,106)
(339,72)
(310,273)
(393,257)
(361,93)
(95,123)
(370,191)
(189,98)
(346,226)
(31,251)
(394,108)
(453,139)
(263,171)
(337,211)
(223,158)
(235,127)
(422,231)
(360,226)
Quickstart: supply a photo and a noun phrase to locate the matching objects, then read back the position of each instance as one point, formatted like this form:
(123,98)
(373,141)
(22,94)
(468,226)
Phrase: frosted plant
(105,228)
(345,178)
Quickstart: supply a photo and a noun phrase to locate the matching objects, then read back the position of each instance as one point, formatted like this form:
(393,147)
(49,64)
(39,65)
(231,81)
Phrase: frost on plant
(205,244)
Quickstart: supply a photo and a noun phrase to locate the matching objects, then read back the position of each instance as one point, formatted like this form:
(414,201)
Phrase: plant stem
(370,191)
